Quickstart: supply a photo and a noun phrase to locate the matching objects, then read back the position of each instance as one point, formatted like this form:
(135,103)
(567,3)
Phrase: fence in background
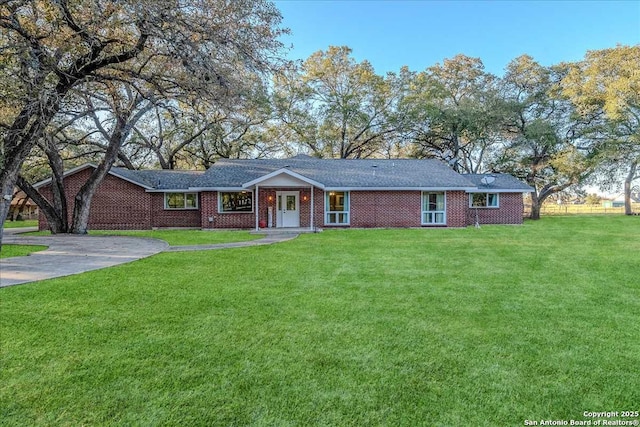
(552,209)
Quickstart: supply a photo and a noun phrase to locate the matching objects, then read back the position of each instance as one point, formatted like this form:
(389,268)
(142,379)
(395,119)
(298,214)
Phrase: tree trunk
(56,220)
(627,188)
(57,188)
(17,148)
(6,194)
(26,130)
(456,152)
(83,198)
(538,197)
(536,205)
(82,207)
(41,105)
(55,211)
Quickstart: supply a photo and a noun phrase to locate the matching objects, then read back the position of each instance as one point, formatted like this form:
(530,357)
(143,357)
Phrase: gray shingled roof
(159,179)
(366,173)
(332,173)
(502,182)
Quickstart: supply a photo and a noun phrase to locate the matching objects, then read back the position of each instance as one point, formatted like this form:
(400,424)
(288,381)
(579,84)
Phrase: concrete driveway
(69,254)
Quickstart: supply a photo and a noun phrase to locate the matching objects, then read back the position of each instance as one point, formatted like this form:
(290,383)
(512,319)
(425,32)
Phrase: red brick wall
(116,205)
(385,208)
(209,209)
(457,207)
(510,211)
(401,209)
(173,217)
(318,205)
(368,209)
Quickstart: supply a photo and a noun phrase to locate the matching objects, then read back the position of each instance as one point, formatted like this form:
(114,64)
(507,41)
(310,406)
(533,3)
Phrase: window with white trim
(336,208)
(181,200)
(235,202)
(483,200)
(434,210)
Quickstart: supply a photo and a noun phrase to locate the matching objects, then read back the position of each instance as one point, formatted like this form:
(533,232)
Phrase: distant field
(553,209)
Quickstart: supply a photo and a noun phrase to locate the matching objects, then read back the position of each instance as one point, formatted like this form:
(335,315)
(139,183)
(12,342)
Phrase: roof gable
(282,177)
(150,180)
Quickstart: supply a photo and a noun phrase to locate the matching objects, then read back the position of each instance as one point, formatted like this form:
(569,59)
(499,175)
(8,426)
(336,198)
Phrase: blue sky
(421,33)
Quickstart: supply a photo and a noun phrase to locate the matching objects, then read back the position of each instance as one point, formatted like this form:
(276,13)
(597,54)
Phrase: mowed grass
(437,327)
(186,237)
(9,251)
(175,237)
(20,224)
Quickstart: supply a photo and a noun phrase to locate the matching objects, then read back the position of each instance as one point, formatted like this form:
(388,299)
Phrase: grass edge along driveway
(490,326)
(175,237)
(10,250)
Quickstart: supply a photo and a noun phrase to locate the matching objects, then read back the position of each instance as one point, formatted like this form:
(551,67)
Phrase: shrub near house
(300,192)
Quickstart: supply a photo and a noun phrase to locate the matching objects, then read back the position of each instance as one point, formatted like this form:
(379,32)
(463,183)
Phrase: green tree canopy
(198,48)
(336,107)
(605,88)
(452,113)
(536,143)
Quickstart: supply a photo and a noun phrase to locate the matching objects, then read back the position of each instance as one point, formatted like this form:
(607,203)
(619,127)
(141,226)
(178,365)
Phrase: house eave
(396,188)
(202,189)
(499,190)
(170,190)
(281,171)
(80,168)
(71,171)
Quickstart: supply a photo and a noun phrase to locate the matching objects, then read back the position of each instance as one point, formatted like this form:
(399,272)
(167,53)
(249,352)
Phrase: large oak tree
(452,114)
(50,47)
(605,88)
(538,145)
(335,107)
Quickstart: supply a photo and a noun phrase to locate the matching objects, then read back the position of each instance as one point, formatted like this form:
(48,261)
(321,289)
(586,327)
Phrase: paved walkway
(70,254)
(268,240)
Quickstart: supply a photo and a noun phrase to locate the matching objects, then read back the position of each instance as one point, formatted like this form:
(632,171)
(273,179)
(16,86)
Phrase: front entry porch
(285,200)
(285,208)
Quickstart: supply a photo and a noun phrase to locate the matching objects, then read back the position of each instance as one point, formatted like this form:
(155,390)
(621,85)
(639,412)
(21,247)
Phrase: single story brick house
(299,192)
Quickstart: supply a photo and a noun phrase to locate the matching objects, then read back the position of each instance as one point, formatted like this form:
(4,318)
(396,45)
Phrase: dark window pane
(175,200)
(237,202)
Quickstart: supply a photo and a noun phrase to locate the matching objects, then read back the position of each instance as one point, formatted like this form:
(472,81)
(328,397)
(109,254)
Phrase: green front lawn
(19,224)
(446,327)
(186,237)
(9,251)
(176,237)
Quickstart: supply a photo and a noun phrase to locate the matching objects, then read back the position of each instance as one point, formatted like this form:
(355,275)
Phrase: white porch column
(257,207)
(312,209)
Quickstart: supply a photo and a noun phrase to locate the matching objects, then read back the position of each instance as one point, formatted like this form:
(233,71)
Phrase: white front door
(288,209)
